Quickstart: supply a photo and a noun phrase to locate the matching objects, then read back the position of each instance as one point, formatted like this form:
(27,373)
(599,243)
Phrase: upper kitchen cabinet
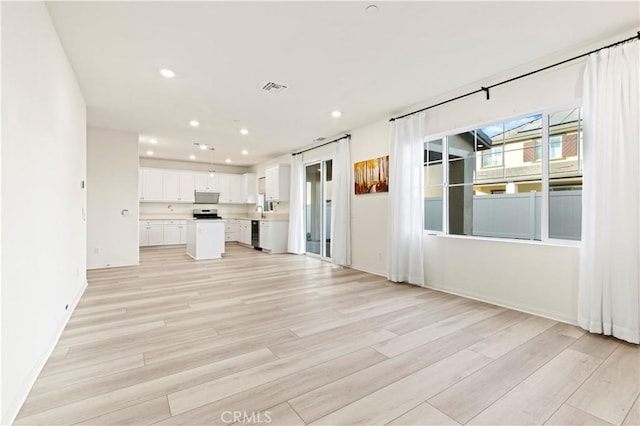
(249,193)
(166,185)
(230,188)
(152,182)
(171,186)
(205,182)
(277,182)
(187,187)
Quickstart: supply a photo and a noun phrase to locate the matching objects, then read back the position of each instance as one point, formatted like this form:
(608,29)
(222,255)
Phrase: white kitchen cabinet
(200,181)
(203,181)
(231,230)
(143,239)
(277,182)
(175,232)
(230,188)
(187,187)
(162,232)
(213,182)
(178,186)
(160,185)
(205,239)
(156,234)
(265,235)
(170,186)
(151,233)
(172,234)
(244,232)
(152,182)
(274,236)
(249,190)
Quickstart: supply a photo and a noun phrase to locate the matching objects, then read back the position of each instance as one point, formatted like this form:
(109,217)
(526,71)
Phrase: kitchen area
(204,211)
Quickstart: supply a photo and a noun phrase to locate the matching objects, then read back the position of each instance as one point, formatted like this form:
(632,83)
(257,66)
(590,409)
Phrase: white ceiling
(331,55)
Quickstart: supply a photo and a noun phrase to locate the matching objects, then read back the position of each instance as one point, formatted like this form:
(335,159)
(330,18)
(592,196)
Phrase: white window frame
(493,153)
(545,240)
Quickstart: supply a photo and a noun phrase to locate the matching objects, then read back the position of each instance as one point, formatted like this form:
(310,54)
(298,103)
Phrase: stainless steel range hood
(206,197)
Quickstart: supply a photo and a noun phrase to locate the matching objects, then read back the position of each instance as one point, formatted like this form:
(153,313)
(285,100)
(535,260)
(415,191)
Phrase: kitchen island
(205,238)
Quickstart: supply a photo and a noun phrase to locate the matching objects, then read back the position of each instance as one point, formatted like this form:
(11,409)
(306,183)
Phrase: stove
(206,214)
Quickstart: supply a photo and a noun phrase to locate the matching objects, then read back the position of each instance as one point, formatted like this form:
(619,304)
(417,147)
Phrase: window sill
(550,242)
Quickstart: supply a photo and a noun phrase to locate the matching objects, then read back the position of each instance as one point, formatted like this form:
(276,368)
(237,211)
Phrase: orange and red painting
(372,176)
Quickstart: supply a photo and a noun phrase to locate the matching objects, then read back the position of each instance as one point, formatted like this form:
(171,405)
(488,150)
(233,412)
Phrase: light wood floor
(293,340)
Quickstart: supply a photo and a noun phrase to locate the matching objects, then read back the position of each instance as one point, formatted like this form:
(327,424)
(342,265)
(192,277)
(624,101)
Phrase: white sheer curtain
(342,171)
(609,291)
(296,207)
(406,200)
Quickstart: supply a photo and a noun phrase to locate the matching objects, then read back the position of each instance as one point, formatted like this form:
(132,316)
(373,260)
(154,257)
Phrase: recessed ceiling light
(245,152)
(228,160)
(149,152)
(192,157)
(203,147)
(336,114)
(372,8)
(194,123)
(244,131)
(153,141)
(167,73)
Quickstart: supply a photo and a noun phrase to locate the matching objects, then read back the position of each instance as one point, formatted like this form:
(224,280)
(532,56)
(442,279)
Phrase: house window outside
(491,183)
(555,149)
(492,157)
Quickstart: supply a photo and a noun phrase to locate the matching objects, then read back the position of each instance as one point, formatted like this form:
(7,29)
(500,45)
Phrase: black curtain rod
(346,135)
(487,88)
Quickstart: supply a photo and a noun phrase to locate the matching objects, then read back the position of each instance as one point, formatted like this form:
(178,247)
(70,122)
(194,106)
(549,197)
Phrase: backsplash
(185,211)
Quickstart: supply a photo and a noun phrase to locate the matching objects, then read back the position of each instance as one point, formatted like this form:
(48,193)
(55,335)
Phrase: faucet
(261,211)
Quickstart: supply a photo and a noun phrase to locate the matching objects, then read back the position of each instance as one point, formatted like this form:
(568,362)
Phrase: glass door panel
(313,207)
(318,177)
(327,207)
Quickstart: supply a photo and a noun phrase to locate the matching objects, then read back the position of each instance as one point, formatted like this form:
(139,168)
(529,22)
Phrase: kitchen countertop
(229,217)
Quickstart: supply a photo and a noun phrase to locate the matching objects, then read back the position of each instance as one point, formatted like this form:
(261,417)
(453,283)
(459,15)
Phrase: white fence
(517,215)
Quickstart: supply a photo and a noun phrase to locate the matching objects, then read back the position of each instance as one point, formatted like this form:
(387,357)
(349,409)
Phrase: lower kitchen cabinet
(230,230)
(162,232)
(175,232)
(274,236)
(244,232)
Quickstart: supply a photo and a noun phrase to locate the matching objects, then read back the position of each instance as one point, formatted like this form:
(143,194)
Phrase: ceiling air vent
(274,87)
(320,139)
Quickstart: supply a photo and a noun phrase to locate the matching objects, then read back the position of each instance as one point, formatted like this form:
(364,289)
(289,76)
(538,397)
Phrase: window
(565,174)
(433,185)
(489,181)
(555,149)
(492,157)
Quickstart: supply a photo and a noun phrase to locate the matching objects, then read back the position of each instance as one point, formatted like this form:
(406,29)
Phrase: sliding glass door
(318,208)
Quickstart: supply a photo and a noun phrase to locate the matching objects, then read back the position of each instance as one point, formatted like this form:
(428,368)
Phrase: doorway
(318,176)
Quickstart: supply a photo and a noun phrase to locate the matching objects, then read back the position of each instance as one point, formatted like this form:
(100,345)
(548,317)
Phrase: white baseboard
(368,271)
(10,412)
(531,310)
(91,268)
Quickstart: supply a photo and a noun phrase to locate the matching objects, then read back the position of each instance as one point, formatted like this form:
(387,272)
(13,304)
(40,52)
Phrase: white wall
(369,212)
(532,277)
(43,166)
(112,186)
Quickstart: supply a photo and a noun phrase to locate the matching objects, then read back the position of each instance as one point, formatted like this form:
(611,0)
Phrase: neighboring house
(515,155)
